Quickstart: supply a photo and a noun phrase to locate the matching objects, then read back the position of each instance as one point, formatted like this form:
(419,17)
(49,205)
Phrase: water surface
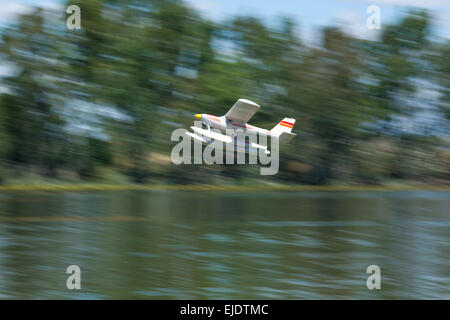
(225,245)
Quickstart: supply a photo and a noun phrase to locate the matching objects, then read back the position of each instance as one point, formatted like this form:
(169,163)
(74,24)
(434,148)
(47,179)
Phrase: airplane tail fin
(284,125)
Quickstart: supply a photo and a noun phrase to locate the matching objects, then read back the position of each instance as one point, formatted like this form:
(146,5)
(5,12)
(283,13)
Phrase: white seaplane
(236,118)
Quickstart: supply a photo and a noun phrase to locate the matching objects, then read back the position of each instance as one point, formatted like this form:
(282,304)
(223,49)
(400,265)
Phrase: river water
(225,245)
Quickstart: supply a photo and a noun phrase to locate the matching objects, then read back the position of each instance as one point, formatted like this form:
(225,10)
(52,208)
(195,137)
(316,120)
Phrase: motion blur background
(95,108)
(99,104)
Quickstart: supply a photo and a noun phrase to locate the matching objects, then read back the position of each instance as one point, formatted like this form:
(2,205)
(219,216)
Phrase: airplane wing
(242,111)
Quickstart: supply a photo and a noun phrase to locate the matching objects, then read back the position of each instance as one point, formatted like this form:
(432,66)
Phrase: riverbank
(230,188)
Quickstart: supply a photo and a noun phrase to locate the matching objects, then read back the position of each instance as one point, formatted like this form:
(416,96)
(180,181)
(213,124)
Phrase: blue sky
(310,15)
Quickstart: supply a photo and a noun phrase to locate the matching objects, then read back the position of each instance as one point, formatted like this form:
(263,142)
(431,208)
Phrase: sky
(310,15)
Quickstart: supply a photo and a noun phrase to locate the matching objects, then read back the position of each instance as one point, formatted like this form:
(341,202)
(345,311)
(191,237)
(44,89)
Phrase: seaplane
(237,118)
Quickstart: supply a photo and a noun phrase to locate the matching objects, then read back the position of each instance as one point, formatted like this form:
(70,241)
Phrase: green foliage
(153,64)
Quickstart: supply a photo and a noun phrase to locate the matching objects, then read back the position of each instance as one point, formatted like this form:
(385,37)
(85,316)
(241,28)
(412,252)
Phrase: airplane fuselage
(222,123)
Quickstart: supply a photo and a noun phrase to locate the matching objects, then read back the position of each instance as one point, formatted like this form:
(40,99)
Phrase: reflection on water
(205,245)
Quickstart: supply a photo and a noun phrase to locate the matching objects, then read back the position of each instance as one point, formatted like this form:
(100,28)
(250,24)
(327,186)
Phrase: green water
(207,245)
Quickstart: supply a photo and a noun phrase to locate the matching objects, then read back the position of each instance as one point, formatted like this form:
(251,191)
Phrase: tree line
(99,103)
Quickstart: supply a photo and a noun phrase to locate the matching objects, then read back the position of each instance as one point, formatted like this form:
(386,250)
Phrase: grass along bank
(230,188)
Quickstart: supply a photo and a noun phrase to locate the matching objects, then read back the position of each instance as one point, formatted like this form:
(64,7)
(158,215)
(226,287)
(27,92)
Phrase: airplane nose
(198,116)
